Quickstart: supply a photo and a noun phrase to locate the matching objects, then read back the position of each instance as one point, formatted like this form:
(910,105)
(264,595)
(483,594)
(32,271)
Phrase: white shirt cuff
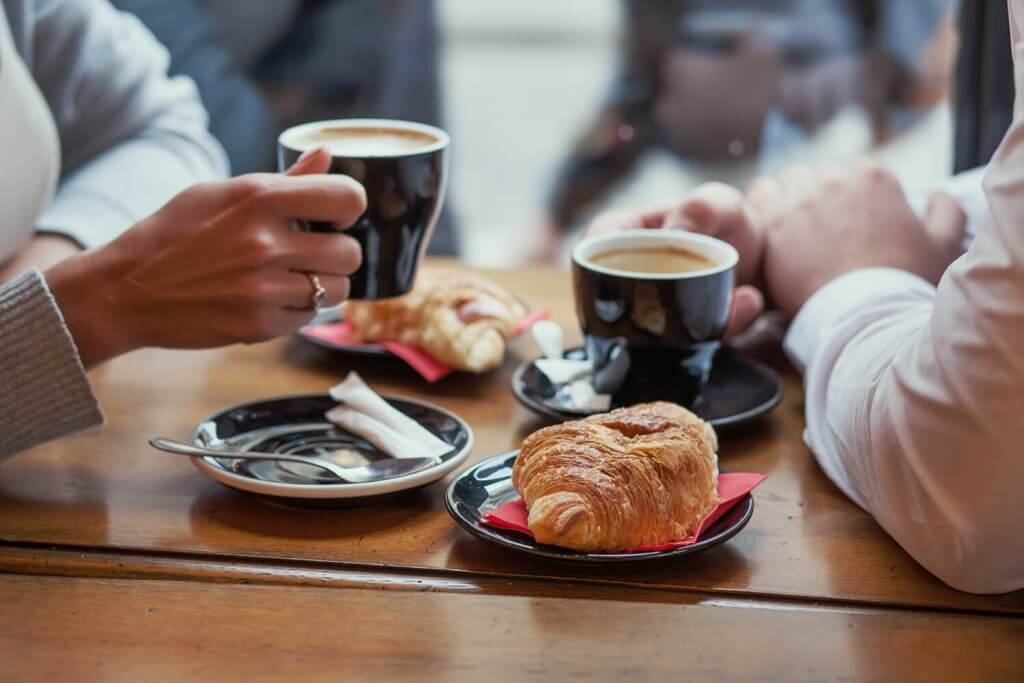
(839,300)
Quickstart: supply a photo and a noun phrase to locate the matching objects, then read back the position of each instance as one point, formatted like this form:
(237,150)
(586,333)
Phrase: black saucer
(331,316)
(739,390)
(296,425)
(488,484)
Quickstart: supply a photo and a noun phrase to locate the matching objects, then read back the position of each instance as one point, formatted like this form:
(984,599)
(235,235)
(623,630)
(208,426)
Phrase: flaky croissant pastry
(461,319)
(634,477)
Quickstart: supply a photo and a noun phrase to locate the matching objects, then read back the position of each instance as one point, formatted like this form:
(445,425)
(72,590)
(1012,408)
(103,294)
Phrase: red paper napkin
(732,486)
(429,368)
(527,321)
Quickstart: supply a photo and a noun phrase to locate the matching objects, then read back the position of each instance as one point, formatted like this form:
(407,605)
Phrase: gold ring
(319,293)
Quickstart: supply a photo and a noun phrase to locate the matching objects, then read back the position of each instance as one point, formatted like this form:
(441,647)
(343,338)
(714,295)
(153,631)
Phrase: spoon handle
(172,446)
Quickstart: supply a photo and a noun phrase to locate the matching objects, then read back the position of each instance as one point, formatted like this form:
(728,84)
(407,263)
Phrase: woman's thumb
(316,160)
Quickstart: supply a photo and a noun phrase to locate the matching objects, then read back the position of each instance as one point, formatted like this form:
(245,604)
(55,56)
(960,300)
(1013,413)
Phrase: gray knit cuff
(44,393)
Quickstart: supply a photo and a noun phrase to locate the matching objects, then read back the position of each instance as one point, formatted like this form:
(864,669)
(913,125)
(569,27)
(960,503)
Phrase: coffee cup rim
(724,254)
(442,139)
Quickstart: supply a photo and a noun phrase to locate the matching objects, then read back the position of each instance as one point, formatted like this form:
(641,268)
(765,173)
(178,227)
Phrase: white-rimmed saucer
(296,424)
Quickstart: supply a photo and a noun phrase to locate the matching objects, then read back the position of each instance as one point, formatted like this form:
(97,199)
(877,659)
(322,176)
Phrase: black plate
(488,485)
(333,315)
(739,390)
(295,425)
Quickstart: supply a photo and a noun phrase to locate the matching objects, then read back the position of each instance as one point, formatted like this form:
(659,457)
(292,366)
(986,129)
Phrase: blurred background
(536,92)
(561,108)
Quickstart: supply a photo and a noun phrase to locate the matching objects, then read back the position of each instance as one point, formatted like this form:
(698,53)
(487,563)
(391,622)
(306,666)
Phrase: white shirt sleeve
(131,138)
(914,404)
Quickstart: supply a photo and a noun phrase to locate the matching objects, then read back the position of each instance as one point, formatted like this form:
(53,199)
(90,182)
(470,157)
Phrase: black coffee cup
(404,168)
(653,335)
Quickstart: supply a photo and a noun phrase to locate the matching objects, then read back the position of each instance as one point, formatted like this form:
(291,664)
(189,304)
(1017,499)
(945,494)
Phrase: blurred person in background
(262,67)
(725,84)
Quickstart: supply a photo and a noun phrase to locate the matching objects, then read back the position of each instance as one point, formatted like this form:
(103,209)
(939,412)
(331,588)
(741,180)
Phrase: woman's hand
(218,264)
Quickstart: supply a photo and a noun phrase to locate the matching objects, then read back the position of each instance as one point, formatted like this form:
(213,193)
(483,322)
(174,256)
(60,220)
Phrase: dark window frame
(984,82)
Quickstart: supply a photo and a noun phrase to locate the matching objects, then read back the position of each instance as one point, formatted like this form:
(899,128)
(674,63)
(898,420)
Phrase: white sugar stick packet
(564,371)
(379,434)
(371,417)
(582,396)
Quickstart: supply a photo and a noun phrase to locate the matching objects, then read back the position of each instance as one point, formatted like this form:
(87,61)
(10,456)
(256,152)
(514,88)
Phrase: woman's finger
(297,290)
(316,160)
(336,199)
(320,252)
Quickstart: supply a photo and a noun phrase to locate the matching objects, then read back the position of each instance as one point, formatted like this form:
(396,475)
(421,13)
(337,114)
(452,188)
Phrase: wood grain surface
(89,629)
(109,490)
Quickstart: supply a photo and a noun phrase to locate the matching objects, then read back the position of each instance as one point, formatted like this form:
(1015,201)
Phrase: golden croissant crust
(461,319)
(634,477)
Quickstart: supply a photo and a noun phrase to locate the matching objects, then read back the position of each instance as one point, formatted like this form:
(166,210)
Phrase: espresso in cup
(655,303)
(404,168)
(660,260)
(363,141)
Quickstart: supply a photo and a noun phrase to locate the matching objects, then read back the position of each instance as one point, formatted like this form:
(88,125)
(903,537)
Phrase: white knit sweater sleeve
(44,393)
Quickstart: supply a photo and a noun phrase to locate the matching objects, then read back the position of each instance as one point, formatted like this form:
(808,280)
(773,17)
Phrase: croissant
(461,319)
(638,476)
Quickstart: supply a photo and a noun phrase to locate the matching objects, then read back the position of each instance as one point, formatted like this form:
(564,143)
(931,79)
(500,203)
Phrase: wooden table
(812,589)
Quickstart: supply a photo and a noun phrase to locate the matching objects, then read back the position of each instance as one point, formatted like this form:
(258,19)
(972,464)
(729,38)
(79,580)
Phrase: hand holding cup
(404,168)
(218,264)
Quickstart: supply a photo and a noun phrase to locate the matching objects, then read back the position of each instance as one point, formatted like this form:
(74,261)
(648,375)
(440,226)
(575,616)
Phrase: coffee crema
(658,260)
(363,141)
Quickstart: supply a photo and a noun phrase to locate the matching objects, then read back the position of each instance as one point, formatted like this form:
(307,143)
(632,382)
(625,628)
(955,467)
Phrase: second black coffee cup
(404,168)
(653,306)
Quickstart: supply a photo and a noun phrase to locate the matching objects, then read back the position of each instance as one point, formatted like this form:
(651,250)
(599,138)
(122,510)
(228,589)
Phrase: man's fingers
(765,194)
(797,181)
(706,209)
(709,209)
(617,220)
(946,222)
(693,213)
(613,221)
(747,306)
(316,160)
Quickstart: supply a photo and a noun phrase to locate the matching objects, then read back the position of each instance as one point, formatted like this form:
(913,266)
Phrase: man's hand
(820,227)
(42,252)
